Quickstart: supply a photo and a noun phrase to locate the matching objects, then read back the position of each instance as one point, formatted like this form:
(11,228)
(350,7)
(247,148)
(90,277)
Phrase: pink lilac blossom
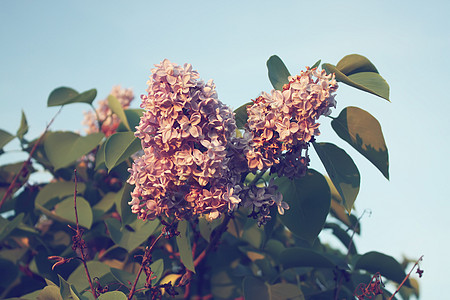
(109,121)
(283,123)
(191,162)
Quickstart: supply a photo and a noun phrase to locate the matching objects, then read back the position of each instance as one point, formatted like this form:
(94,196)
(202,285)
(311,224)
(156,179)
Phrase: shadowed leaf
(119,147)
(342,171)
(309,203)
(241,115)
(5,138)
(303,257)
(23,128)
(255,289)
(184,245)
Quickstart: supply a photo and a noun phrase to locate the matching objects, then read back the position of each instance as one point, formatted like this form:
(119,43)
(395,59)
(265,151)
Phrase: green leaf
(100,156)
(23,129)
(309,203)
(8,226)
(184,245)
(122,206)
(157,268)
(357,71)
(363,132)
(286,291)
(117,108)
(206,227)
(133,117)
(278,73)
(387,266)
(128,279)
(96,269)
(241,115)
(119,147)
(316,64)
(65,210)
(5,138)
(115,295)
(64,148)
(302,257)
(342,171)
(54,192)
(50,293)
(130,239)
(65,95)
(104,205)
(255,289)
(66,290)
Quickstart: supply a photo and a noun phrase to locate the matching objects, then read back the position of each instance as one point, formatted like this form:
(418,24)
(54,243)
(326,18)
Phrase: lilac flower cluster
(283,123)
(190,164)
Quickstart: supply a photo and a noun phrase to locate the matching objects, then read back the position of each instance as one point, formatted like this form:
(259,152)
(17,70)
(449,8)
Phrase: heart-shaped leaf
(309,203)
(357,71)
(342,171)
(64,148)
(65,95)
(65,210)
(363,132)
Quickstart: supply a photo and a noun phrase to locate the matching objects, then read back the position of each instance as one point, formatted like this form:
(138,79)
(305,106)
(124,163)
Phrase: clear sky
(98,44)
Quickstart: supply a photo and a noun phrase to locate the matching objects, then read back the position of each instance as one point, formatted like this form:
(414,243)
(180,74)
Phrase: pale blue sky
(84,45)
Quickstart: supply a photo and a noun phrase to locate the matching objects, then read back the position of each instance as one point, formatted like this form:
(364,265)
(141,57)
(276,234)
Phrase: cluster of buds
(186,134)
(109,121)
(283,123)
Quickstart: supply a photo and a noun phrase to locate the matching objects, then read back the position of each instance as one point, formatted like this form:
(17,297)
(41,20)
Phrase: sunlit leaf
(5,138)
(285,291)
(309,201)
(65,95)
(241,115)
(64,148)
(117,108)
(23,128)
(119,147)
(342,171)
(278,73)
(172,278)
(388,266)
(104,205)
(303,257)
(114,295)
(133,116)
(50,293)
(357,71)
(184,245)
(157,269)
(255,289)
(363,132)
(65,210)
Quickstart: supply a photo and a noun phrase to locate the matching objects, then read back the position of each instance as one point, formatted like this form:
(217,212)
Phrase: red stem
(79,234)
(406,278)
(147,252)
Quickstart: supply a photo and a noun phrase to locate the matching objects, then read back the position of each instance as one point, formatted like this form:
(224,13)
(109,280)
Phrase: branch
(406,278)
(27,162)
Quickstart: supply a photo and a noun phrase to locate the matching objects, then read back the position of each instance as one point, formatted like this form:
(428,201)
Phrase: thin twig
(79,236)
(27,162)
(147,252)
(406,278)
